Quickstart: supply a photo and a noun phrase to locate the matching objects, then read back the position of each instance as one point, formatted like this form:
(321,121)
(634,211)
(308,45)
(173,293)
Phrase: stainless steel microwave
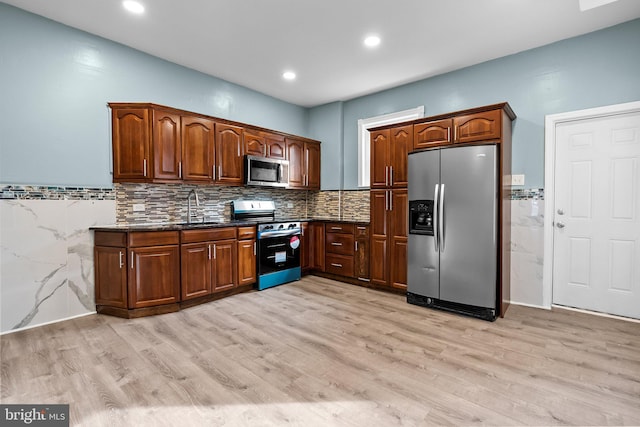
(266,172)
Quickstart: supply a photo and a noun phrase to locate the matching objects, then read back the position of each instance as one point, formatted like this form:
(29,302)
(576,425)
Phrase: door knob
(560,224)
(560,212)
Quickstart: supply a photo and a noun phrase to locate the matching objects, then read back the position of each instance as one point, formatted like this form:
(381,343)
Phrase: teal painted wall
(600,68)
(55,83)
(325,124)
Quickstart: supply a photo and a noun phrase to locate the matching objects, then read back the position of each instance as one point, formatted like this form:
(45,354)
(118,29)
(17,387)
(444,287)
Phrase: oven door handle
(282,234)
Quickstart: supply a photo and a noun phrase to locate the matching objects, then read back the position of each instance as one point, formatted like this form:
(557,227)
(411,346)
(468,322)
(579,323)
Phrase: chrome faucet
(189,213)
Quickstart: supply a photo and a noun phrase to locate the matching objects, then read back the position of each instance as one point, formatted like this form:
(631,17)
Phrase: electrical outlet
(138,207)
(517,179)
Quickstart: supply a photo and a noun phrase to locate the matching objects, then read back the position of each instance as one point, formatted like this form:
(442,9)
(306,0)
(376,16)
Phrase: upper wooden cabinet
(154,143)
(229,164)
(304,164)
(480,126)
(131,144)
(264,144)
(432,134)
(166,145)
(389,153)
(198,149)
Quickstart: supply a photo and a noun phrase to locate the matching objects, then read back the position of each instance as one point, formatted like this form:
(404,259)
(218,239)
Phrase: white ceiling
(252,42)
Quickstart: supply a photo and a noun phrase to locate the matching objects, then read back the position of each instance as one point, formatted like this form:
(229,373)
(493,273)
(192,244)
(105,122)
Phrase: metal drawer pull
(336,244)
(336,265)
(132,260)
(121,259)
(336,228)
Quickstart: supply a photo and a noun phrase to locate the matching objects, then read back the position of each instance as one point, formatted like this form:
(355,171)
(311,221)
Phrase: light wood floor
(323,353)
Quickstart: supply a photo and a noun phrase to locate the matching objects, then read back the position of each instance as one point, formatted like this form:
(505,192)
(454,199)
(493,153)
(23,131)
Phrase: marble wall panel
(527,251)
(46,265)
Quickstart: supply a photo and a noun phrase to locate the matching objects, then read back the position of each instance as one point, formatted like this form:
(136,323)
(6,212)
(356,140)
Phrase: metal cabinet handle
(209,251)
(254,248)
(144,167)
(336,244)
(214,251)
(356,246)
(179,169)
(132,260)
(121,259)
(336,228)
(391,176)
(336,265)
(448,134)
(390,201)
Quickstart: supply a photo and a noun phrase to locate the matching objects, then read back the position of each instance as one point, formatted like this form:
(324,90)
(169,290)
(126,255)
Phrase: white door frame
(550,123)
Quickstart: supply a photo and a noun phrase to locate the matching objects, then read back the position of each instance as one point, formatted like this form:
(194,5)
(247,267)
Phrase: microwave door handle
(279,172)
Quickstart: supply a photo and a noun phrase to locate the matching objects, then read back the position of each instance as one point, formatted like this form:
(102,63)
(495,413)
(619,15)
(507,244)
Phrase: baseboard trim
(47,323)
(524,304)
(595,313)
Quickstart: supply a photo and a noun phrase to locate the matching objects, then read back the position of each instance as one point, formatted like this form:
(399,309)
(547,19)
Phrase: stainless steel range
(278,256)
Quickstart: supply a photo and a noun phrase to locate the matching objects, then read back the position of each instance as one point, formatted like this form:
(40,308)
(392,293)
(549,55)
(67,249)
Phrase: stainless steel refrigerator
(453,229)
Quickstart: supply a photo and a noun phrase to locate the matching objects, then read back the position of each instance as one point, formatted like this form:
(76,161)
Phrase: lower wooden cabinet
(305,249)
(361,258)
(137,270)
(317,252)
(247,274)
(389,236)
(139,273)
(154,276)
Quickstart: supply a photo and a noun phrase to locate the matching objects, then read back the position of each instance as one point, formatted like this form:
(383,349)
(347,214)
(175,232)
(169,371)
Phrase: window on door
(364,154)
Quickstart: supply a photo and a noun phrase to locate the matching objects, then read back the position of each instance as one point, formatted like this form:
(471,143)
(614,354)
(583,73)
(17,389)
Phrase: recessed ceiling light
(133,6)
(372,41)
(289,75)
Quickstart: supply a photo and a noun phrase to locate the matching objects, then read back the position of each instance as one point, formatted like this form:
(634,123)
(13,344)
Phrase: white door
(596,262)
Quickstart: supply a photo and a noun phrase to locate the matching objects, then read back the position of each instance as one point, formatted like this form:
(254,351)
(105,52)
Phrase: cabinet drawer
(153,238)
(110,238)
(338,227)
(362,231)
(208,234)
(337,243)
(246,233)
(339,264)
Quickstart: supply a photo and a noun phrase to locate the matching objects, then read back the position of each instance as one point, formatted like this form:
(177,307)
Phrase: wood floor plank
(322,353)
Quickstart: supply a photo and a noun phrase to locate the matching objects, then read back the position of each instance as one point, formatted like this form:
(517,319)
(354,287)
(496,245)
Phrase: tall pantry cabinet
(389,216)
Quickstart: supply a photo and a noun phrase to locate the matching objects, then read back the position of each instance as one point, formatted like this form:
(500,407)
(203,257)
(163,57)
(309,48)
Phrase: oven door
(278,251)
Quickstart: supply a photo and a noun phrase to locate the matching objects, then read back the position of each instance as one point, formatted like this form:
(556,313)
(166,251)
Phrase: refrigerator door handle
(441,219)
(435,217)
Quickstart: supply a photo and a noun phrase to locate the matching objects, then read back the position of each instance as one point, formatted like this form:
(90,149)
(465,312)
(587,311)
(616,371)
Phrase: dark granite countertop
(178,226)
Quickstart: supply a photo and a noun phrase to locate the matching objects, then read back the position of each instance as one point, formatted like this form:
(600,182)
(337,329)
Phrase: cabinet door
(401,141)
(198,145)
(296,156)
(312,163)
(317,246)
(361,269)
(196,270)
(305,242)
(379,228)
(432,134)
(254,144)
(154,276)
(482,126)
(276,146)
(246,262)
(111,276)
(379,159)
(399,227)
(167,146)
(224,265)
(131,144)
(229,154)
